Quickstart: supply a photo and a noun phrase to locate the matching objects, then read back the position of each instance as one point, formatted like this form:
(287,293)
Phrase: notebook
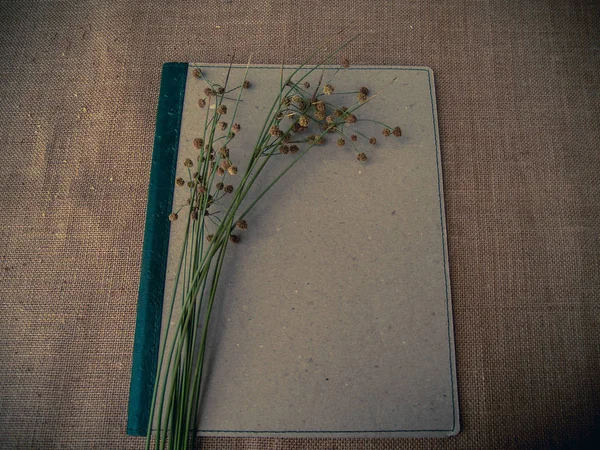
(334,316)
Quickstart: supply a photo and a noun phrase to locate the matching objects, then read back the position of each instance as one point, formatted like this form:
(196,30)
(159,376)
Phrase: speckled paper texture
(334,315)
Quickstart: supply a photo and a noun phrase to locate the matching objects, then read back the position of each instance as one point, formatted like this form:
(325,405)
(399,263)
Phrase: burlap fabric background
(518,97)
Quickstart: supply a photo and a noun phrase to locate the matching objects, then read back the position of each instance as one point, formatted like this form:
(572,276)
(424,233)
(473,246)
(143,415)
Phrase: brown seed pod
(220,171)
(222,125)
(350,118)
(219,186)
(306,84)
(284,149)
(319,115)
(354,138)
(364,90)
(320,106)
(345,63)
(228,189)
(220,90)
(197,73)
(210,237)
(372,141)
(341,142)
(180,181)
(303,121)
(361,157)
(188,162)
(194,214)
(201,102)
(246,84)
(198,143)
(362,98)
(232,170)
(236,127)
(209,92)
(234,238)
(224,152)
(241,224)
(386,132)
(274,131)
(173,217)
(328,89)
(225,164)
(222,109)
(397,132)
(294,149)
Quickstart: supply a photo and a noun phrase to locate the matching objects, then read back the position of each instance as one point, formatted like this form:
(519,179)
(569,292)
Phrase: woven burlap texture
(517,90)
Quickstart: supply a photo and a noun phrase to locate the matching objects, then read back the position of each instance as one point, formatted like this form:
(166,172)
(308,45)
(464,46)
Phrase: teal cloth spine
(156,242)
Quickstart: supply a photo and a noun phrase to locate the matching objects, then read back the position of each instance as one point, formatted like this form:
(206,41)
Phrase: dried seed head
(279,116)
(180,181)
(319,115)
(296,98)
(200,189)
(361,157)
(210,237)
(222,109)
(294,149)
(241,224)
(350,118)
(320,140)
(306,84)
(230,135)
(173,217)
(361,97)
(330,119)
(224,152)
(275,131)
(386,132)
(372,141)
(328,89)
(303,121)
(232,170)
(188,201)
(201,103)
(246,84)
(220,90)
(209,92)
(236,127)
(197,73)
(190,184)
(219,186)
(338,113)
(225,164)
(208,148)
(220,171)
(345,63)
(234,239)
(286,138)
(284,149)
(341,142)
(364,90)
(286,101)
(296,128)
(222,125)
(354,138)
(320,106)
(188,162)
(397,132)
(228,189)
(198,143)
(311,139)
(194,214)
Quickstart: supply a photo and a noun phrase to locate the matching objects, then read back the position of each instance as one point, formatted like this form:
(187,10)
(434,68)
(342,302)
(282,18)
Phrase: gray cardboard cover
(334,316)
